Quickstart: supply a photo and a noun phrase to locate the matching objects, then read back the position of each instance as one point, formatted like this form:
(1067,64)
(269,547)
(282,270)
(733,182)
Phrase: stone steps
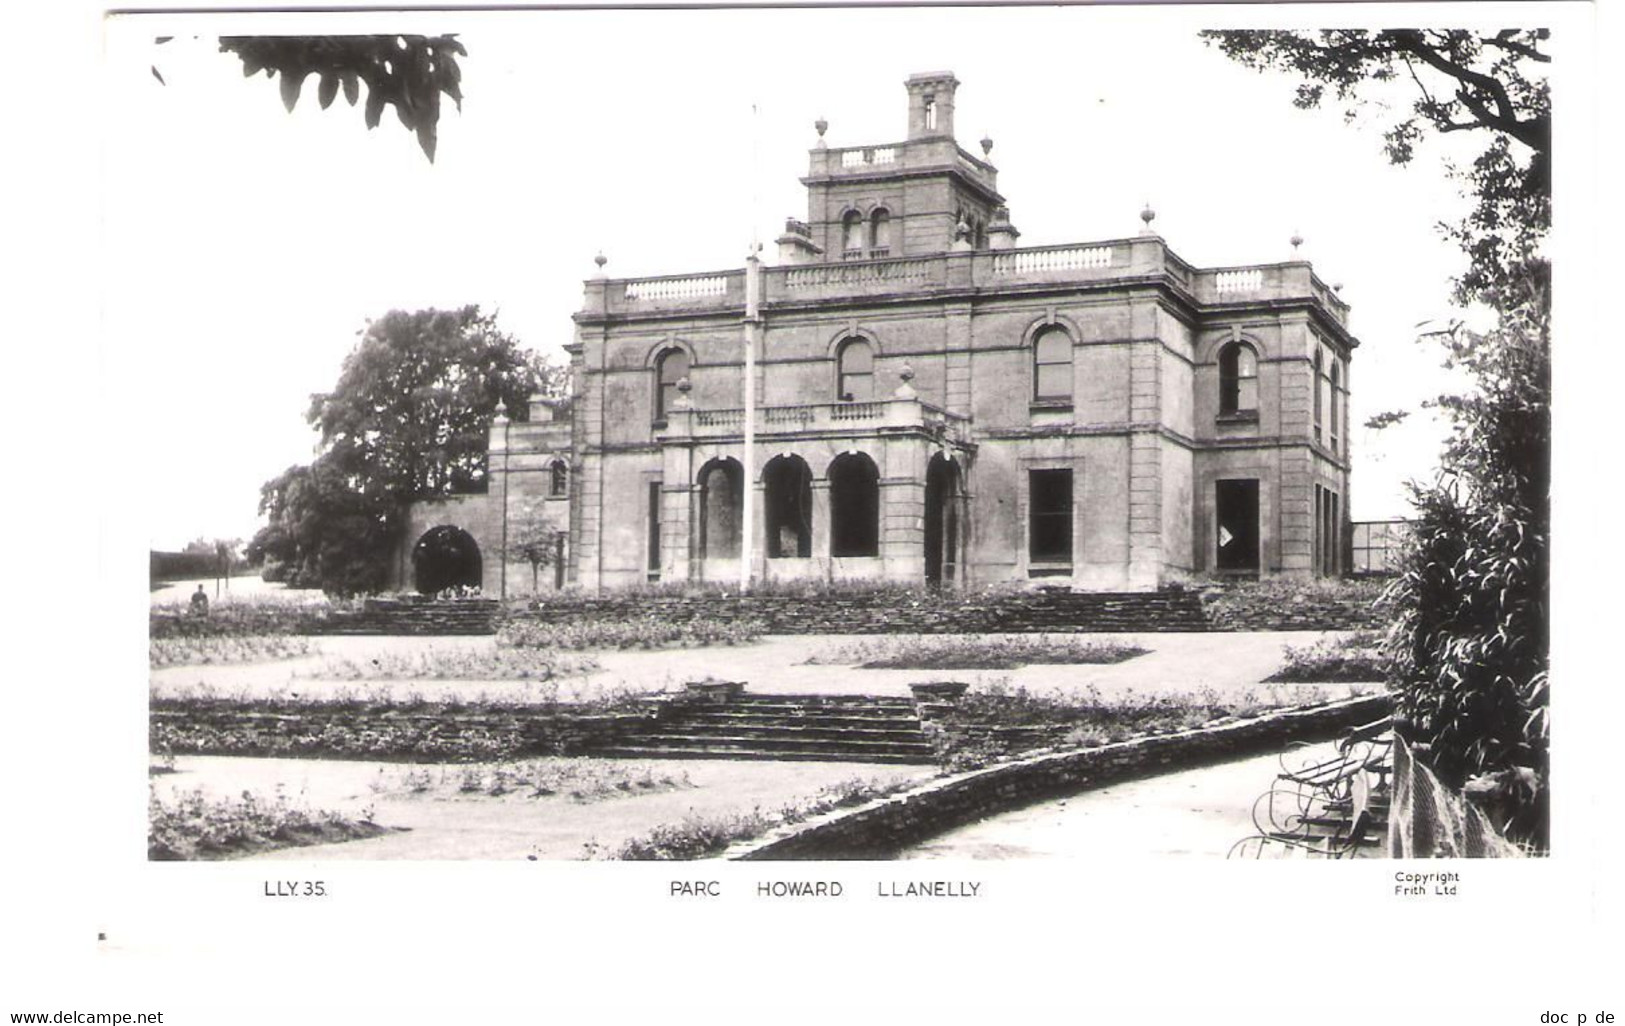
(788,727)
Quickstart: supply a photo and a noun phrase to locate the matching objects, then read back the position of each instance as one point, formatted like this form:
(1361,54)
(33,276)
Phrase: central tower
(917,197)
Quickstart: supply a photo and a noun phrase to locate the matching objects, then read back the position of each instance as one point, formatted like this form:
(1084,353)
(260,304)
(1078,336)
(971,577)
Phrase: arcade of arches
(791,527)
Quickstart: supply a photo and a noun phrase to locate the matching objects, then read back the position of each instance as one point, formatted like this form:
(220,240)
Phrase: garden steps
(789,727)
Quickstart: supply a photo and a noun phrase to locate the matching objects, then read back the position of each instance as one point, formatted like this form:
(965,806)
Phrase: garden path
(512,826)
(1200,812)
(777,665)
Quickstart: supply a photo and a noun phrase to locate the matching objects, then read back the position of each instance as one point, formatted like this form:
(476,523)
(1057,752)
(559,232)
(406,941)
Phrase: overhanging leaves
(410,73)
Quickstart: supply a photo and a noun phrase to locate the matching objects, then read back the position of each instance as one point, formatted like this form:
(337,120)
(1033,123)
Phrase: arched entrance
(854,505)
(941,521)
(787,504)
(445,557)
(721,508)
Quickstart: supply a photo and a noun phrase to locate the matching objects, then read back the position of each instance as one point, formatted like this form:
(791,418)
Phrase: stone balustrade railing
(1052,258)
(677,288)
(1144,258)
(858,272)
(784,420)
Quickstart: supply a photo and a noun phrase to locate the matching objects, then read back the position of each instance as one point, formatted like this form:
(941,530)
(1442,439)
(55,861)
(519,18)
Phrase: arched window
(670,368)
(1238,379)
(854,506)
(852,236)
(1052,366)
(880,233)
(856,371)
(558,481)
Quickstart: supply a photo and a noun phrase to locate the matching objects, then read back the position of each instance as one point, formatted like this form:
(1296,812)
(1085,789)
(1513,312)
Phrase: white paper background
(1153,941)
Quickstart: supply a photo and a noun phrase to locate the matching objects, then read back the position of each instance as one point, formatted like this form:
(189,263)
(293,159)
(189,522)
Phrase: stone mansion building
(909,395)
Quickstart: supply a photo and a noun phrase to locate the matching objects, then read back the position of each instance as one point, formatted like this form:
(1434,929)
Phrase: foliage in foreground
(258,617)
(191,825)
(994,721)
(635,632)
(580,780)
(1470,643)
(703,836)
(457,664)
(972,653)
(219,651)
(1352,659)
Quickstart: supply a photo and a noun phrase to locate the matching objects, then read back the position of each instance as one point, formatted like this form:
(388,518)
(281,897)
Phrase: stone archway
(446,557)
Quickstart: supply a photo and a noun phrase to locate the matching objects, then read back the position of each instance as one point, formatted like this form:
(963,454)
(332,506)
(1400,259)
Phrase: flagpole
(753,290)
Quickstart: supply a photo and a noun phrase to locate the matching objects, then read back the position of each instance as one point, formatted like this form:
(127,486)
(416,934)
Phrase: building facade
(909,395)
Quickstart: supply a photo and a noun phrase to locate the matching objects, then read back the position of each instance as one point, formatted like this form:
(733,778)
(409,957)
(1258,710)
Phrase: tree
(1469,645)
(1470,639)
(536,542)
(409,73)
(1487,84)
(409,418)
(411,412)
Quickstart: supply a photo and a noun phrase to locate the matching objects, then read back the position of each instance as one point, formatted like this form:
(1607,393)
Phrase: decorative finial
(684,386)
(822,126)
(906,389)
(1297,240)
(1148,215)
(987,145)
(600,260)
(502,410)
(1337,287)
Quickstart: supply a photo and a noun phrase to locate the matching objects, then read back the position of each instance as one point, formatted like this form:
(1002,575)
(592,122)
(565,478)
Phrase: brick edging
(880,827)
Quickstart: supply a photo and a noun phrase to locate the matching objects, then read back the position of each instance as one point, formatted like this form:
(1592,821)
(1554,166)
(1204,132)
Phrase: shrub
(214,651)
(1352,659)
(191,825)
(457,664)
(260,616)
(1470,639)
(703,836)
(973,653)
(634,632)
(994,721)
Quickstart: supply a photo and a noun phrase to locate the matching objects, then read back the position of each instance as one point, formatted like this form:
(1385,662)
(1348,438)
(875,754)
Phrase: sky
(247,247)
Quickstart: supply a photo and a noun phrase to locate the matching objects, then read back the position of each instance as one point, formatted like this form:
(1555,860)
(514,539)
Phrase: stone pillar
(1145,465)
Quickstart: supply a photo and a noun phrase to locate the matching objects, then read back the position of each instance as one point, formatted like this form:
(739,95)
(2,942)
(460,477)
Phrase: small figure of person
(200,602)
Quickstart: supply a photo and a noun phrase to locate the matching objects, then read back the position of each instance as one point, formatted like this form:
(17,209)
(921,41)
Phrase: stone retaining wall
(358,731)
(886,825)
(884,612)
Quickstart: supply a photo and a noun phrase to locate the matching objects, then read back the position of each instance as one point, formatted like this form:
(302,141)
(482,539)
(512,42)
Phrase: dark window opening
(1238,379)
(854,506)
(856,371)
(1335,382)
(852,236)
(672,367)
(558,483)
(721,509)
(787,507)
(1049,516)
(880,234)
(558,560)
(1052,366)
(941,521)
(1236,503)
